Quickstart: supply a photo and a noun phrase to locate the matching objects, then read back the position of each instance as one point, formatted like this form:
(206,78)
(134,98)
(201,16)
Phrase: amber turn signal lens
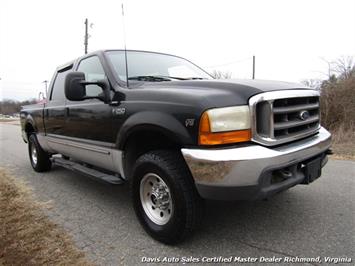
(205,126)
(206,137)
(224,137)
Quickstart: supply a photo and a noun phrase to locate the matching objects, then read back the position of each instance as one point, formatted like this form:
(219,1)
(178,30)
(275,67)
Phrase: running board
(90,172)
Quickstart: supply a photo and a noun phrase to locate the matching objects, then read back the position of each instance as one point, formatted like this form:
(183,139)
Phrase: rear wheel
(164,196)
(40,160)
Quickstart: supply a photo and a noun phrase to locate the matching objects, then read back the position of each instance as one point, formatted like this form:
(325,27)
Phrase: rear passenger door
(54,113)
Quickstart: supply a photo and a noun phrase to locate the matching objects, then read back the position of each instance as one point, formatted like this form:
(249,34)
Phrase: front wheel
(164,196)
(40,160)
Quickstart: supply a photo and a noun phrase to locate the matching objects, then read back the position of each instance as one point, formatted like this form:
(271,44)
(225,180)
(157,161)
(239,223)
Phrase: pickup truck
(175,135)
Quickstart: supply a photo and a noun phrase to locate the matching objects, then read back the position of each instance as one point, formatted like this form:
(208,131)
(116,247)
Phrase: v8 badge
(189,122)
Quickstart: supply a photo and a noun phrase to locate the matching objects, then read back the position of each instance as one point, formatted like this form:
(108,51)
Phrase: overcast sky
(291,39)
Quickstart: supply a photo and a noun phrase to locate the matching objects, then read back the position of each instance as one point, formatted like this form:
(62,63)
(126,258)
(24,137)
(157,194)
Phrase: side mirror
(75,88)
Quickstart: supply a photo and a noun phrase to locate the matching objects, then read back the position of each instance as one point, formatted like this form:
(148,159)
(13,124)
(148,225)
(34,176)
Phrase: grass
(7,120)
(27,236)
(343,143)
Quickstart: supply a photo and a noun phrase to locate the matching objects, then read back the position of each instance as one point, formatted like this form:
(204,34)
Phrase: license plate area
(312,170)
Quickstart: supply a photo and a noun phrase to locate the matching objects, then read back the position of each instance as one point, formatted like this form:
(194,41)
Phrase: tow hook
(329,152)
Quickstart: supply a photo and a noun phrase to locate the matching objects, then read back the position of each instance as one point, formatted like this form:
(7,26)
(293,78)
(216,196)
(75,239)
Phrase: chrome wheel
(156,199)
(34,155)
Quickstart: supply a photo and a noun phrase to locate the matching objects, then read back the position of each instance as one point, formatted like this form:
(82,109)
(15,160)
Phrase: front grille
(284,116)
(287,115)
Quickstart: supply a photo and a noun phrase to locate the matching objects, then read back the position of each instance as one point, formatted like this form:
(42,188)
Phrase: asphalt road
(305,221)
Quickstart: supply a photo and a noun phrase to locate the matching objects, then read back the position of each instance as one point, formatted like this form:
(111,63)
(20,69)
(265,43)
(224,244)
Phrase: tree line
(337,95)
(10,107)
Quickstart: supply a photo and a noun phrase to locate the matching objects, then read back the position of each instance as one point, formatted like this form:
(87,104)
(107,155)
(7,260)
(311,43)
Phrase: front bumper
(253,171)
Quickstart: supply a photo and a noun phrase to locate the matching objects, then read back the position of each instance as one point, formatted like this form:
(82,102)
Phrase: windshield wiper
(179,78)
(194,78)
(150,78)
(171,77)
(160,78)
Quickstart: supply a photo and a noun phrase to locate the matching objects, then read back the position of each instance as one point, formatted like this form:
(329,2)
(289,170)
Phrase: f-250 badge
(118,111)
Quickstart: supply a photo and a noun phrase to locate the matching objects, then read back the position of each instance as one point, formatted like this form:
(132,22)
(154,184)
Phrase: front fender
(153,120)
(30,120)
(27,119)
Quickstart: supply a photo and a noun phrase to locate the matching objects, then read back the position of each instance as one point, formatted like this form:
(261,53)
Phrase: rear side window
(58,86)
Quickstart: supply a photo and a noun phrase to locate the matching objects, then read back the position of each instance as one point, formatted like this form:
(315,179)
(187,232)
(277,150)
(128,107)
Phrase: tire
(40,160)
(164,196)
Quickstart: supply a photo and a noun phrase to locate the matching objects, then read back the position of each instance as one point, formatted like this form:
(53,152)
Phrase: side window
(93,71)
(58,86)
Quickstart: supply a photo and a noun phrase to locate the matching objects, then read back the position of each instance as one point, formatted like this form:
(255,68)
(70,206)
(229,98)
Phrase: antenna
(253,66)
(86,36)
(125,49)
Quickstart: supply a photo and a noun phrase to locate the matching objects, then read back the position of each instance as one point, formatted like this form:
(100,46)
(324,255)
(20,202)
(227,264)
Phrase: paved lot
(306,221)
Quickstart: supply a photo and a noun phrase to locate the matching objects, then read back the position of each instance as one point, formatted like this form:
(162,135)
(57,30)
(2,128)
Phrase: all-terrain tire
(40,160)
(186,208)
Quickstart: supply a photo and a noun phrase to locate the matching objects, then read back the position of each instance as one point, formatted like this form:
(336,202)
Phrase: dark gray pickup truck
(175,135)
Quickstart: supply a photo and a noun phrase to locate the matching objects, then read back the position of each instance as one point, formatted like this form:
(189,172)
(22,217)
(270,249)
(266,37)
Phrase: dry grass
(27,236)
(7,120)
(343,143)
(338,103)
(338,110)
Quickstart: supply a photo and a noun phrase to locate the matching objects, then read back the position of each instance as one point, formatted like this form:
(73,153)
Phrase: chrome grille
(283,116)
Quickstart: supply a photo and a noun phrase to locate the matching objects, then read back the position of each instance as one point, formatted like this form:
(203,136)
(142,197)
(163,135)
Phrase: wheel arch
(163,123)
(30,126)
(159,131)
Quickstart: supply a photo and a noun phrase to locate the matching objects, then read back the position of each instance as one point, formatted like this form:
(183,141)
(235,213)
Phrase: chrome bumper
(243,166)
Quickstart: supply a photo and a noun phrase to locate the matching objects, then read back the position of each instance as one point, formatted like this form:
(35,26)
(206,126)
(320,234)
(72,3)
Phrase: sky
(291,40)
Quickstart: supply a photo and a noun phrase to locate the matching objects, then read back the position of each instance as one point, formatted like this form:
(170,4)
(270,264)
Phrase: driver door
(89,122)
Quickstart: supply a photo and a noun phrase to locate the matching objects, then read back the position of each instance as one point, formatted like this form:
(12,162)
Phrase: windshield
(146,66)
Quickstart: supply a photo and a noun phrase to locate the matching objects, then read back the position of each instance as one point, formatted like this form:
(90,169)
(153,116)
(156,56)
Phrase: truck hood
(217,93)
(260,85)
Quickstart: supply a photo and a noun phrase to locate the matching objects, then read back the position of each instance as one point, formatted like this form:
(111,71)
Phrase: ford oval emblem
(304,115)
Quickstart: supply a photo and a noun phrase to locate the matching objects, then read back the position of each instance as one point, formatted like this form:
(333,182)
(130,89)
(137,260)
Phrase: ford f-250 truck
(175,134)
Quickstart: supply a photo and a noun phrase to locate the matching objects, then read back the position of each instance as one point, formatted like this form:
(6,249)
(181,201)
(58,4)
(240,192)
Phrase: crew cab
(175,135)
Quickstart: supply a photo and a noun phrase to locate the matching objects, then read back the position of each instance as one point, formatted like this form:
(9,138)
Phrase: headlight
(225,125)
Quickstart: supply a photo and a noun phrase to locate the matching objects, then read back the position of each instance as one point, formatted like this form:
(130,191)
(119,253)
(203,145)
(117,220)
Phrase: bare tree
(338,97)
(344,67)
(312,83)
(217,74)
(9,107)
(329,63)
